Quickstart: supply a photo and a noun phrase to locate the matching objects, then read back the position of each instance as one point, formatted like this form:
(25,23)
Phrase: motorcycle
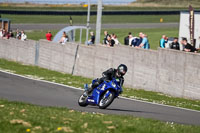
(101,96)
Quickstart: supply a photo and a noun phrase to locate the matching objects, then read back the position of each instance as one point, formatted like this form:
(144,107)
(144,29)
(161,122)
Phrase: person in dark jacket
(109,75)
(188,47)
(175,44)
(106,36)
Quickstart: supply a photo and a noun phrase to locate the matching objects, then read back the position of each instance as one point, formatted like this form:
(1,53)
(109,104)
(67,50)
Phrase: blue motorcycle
(103,95)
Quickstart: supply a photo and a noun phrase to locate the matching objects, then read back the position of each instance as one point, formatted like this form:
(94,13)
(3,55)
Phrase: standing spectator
(188,47)
(23,36)
(110,42)
(92,38)
(64,38)
(145,43)
(130,39)
(105,37)
(163,41)
(8,35)
(175,44)
(114,37)
(140,39)
(1,33)
(48,35)
(4,33)
(126,39)
(11,33)
(135,41)
(18,35)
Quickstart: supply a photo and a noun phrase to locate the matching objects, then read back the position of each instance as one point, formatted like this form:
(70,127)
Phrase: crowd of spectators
(138,42)
(165,42)
(110,40)
(141,41)
(20,35)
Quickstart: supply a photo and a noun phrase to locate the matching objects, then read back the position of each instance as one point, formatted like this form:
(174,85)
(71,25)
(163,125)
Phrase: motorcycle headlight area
(113,84)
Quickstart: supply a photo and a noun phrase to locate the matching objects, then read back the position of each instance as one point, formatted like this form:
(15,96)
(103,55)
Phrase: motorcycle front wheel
(82,101)
(106,101)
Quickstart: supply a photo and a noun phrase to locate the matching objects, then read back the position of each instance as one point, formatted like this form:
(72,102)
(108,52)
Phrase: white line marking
(82,90)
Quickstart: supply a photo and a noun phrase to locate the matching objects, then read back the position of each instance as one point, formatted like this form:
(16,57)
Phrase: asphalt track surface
(93,26)
(17,88)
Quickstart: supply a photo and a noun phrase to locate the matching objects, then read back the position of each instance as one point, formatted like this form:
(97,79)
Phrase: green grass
(78,81)
(57,19)
(19,117)
(154,35)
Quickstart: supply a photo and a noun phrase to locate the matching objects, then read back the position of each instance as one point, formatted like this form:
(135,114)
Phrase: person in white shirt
(1,33)
(23,36)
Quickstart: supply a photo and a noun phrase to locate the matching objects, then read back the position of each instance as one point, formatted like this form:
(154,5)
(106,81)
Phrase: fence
(168,71)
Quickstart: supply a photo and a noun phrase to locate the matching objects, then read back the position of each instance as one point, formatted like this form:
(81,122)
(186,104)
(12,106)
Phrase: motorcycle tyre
(109,102)
(83,103)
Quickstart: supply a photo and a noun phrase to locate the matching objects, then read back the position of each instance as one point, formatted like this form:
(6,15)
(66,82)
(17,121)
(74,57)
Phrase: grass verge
(57,19)
(154,35)
(20,118)
(78,81)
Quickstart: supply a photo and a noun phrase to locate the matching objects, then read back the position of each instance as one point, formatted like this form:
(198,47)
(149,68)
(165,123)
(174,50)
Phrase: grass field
(19,117)
(77,81)
(136,6)
(82,19)
(154,35)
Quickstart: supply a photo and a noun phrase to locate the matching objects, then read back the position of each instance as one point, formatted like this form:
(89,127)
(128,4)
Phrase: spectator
(11,34)
(23,36)
(163,41)
(134,41)
(1,33)
(140,39)
(145,43)
(18,35)
(48,35)
(92,38)
(4,33)
(175,44)
(130,39)
(8,35)
(110,42)
(105,37)
(64,38)
(188,47)
(114,37)
(126,39)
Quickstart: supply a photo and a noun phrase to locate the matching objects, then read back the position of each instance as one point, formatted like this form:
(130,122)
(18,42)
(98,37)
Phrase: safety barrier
(168,71)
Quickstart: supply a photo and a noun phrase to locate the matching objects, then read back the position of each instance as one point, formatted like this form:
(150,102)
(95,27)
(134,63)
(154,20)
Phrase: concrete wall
(168,71)
(16,50)
(56,57)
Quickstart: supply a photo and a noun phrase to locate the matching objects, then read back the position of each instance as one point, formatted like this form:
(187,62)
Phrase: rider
(109,75)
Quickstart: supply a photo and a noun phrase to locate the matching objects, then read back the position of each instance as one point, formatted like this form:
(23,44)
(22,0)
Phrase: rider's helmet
(121,70)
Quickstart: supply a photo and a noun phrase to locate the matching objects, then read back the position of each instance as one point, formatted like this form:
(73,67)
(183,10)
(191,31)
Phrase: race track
(17,88)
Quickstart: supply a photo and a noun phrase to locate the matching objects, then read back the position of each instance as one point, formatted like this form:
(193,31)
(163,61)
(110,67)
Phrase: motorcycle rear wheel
(105,102)
(82,101)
